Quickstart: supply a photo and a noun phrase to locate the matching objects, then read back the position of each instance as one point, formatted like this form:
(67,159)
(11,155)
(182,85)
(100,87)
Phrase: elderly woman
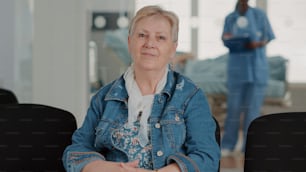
(151,118)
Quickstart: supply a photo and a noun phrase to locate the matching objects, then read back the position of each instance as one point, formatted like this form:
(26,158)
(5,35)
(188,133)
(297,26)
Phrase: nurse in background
(246,33)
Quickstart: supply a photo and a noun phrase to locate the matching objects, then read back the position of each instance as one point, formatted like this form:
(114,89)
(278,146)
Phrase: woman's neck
(148,81)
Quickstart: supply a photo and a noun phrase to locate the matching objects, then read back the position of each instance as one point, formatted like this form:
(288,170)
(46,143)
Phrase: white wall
(288,21)
(7,44)
(60,55)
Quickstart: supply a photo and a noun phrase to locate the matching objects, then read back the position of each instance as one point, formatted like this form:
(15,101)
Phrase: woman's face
(150,44)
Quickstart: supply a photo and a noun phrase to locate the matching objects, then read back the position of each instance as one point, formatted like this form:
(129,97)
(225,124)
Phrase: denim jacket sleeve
(202,150)
(82,151)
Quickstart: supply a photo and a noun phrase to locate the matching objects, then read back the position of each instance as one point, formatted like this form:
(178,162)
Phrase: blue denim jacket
(182,128)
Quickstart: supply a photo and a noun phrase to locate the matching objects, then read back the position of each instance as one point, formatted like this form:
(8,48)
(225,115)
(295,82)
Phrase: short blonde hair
(152,10)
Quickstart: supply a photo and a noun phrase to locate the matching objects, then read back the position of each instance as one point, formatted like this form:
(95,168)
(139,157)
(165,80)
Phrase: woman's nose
(150,42)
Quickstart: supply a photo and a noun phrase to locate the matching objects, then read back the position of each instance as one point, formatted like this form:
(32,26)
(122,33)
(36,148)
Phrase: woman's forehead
(158,22)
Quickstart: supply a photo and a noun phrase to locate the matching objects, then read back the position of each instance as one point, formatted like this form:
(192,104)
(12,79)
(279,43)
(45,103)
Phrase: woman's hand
(128,167)
(107,166)
(132,167)
(133,164)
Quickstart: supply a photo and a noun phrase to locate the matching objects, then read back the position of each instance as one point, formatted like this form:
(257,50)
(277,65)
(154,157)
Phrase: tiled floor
(234,162)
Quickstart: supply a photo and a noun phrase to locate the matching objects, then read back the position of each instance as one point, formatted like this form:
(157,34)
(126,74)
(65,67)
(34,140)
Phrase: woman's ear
(174,51)
(129,47)
(129,40)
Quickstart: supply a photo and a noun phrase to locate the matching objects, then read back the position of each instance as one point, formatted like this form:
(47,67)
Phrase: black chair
(276,143)
(33,137)
(7,97)
(217,135)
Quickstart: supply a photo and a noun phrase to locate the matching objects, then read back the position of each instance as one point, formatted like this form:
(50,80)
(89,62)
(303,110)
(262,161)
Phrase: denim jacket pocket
(173,123)
(103,134)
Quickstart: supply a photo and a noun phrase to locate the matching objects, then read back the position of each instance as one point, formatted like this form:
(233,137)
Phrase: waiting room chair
(33,137)
(7,97)
(217,135)
(276,143)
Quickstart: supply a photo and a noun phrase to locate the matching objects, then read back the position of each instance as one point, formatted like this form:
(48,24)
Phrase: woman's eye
(162,38)
(141,35)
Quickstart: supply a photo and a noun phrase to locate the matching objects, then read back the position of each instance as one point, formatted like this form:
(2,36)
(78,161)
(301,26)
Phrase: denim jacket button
(160,153)
(157,125)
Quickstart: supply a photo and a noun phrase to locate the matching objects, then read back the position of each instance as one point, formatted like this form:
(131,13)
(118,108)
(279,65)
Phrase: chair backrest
(217,135)
(7,97)
(33,137)
(276,142)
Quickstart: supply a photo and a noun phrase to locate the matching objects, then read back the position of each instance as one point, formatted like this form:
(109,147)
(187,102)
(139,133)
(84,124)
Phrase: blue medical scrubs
(247,73)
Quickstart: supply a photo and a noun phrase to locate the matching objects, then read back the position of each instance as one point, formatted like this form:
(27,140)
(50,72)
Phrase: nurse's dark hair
(152,10)
(237,3)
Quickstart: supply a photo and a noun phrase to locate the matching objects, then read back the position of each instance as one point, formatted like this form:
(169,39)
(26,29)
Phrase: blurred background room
(59,52)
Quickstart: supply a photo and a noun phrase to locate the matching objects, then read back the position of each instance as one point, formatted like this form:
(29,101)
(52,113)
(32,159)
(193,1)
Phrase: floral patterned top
(126,139)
